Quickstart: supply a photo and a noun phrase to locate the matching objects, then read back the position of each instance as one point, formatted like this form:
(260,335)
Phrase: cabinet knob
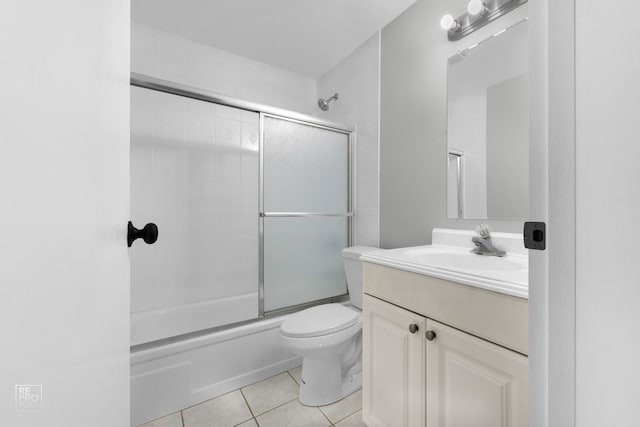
(431,335)
(413,328)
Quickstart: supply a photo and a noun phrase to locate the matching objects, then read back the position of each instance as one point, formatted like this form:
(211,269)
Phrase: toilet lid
(320,320)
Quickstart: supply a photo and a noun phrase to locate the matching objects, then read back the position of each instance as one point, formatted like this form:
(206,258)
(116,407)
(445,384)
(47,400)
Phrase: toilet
(329,339)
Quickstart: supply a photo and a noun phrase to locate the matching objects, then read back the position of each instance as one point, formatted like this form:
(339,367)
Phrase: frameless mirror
(488,128)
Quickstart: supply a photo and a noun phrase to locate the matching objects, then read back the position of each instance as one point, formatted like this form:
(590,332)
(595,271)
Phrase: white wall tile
(141,272)
(201,223)
(143,50)
(202,254)
(228,193)
(170,157)
(228,133)
(201,160)
(200,128)
(250,165)
(203,192)
(367,191)
(169,189)
(250,136)
(141,189)
(366,155)
(249,247)
(250,222)
(169,124)
(367,225)
(228,253)
(141,114)
(141,154)
(232,281)
(171,57)
(250,191)
(171,221)
(229,163)
(202,66)
(239,77)
(228,222)
(229,112)
(356,79)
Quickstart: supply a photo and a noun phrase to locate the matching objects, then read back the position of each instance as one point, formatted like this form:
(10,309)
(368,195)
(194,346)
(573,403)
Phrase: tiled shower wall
(356,79)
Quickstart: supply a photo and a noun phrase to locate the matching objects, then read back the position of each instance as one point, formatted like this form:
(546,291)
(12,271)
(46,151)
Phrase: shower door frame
(169,87)
(349,214)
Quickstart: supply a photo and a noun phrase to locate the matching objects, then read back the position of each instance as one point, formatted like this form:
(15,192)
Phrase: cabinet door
(393,366)
(472,382)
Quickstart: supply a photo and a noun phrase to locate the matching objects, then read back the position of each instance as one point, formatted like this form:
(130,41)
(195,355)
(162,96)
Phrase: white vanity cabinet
(393,369)
(467,368)
(472,382)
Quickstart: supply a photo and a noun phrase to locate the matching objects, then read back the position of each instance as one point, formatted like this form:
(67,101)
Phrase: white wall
(64,180)
(167,56)
(356,79)
(607,207)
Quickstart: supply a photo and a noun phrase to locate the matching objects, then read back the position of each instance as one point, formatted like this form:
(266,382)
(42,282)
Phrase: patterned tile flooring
(269,403)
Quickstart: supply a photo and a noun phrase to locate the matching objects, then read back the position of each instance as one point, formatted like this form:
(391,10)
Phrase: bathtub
(171,376)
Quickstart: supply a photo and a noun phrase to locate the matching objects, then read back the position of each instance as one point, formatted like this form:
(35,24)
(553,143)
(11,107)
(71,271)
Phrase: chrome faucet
(484,245)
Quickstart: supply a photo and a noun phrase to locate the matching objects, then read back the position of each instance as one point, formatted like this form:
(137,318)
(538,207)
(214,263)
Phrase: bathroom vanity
(440,349)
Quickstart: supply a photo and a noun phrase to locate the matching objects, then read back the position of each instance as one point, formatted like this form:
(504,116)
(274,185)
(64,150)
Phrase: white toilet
(329,339)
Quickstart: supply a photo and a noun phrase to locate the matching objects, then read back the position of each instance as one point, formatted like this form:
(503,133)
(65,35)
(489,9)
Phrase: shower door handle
(149,233)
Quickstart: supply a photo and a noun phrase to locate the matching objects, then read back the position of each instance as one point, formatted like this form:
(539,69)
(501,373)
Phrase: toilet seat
(320,320)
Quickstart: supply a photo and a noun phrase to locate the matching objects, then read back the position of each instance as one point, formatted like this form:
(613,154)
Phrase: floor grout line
(325,415)
(276,407)
(293,378)
(247,402)
(347,416)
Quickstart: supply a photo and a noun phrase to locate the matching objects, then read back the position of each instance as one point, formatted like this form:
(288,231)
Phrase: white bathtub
(173,376)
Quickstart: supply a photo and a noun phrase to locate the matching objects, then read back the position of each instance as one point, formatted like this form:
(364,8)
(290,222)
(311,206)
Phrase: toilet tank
(353,270)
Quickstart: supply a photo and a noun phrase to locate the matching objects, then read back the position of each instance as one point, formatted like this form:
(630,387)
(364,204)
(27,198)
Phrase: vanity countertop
(449,258)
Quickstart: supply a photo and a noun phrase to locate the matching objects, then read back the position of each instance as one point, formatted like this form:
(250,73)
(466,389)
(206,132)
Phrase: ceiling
(308,37)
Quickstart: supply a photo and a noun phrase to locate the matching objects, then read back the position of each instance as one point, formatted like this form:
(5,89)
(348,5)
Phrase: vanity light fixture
(479,13)
(476,7)
(448,22)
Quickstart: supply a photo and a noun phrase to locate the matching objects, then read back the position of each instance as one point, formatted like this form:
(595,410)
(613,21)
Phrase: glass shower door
(194,172)
(305,212)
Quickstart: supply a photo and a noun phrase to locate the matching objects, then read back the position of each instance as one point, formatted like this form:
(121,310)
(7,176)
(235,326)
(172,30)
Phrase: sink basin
(507,275)
(465,261)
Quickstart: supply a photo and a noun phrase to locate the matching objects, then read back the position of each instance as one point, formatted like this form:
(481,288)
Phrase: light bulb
(448,22)
(475,7)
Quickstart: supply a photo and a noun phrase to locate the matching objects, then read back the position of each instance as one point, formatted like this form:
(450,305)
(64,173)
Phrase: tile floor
(269,403)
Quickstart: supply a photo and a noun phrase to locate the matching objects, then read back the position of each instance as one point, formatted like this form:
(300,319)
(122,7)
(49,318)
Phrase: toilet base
(322,381)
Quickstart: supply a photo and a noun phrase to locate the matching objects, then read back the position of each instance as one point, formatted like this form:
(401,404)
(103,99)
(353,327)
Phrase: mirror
(488,128)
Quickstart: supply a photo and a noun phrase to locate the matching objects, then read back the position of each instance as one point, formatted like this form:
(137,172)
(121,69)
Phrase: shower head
(324,103)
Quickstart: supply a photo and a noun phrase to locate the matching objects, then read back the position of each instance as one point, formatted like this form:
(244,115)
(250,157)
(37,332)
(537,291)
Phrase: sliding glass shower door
(253,210)
(194,172)
(305,212)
